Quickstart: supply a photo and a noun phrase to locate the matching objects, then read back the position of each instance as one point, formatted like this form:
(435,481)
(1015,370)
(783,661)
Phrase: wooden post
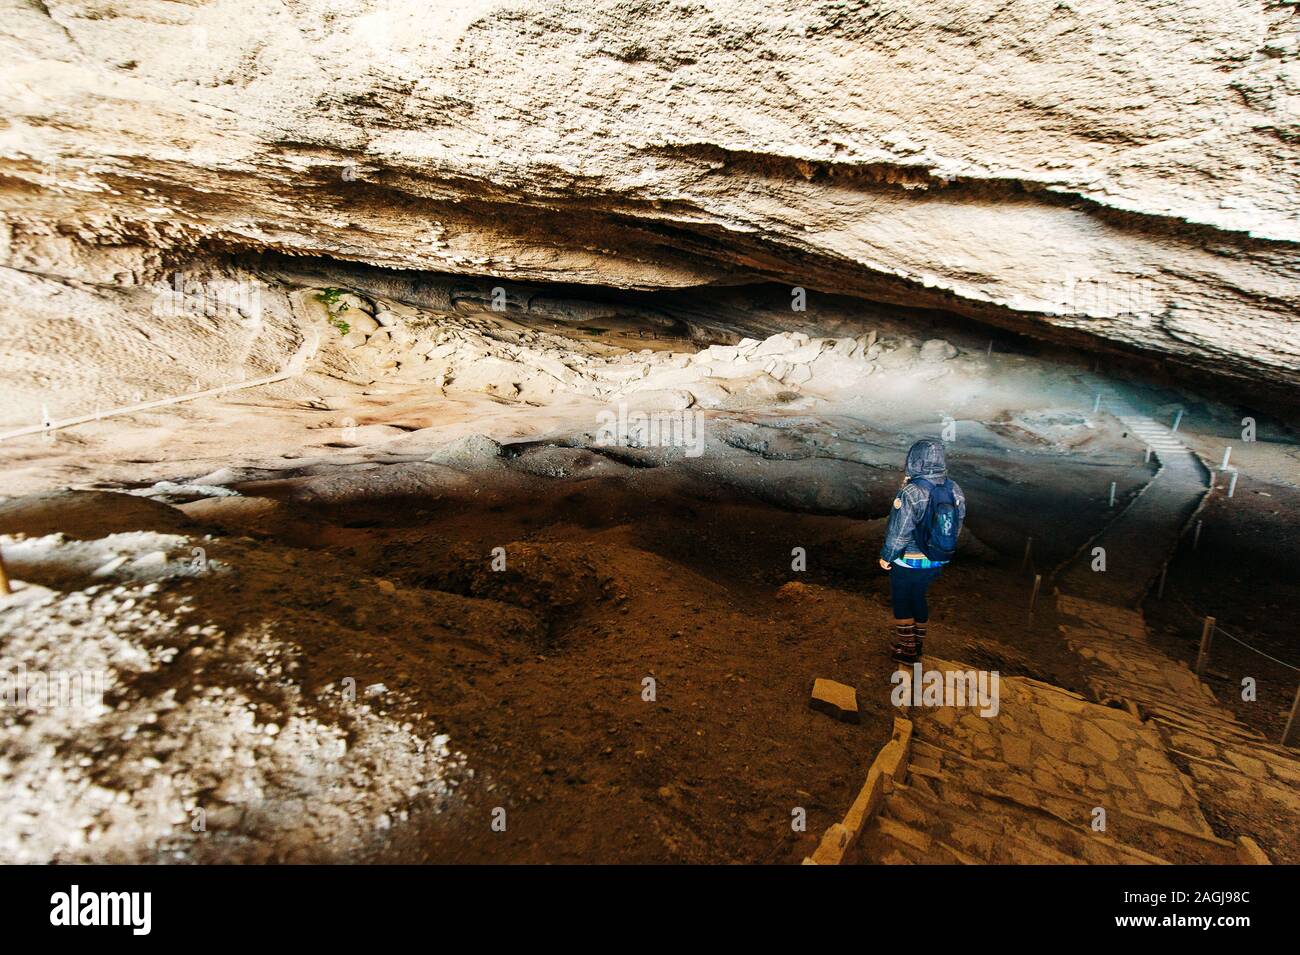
(1147,459)
(1202,657)
(1161,591)
(1227,453)
(1112,493)
(1029,542)
(1033,598)
(4,577)
(1178,417)
(1232,485)
(1287,734)
(1096,405)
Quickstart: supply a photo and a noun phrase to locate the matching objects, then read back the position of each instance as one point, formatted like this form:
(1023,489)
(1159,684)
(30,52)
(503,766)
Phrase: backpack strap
(946,493)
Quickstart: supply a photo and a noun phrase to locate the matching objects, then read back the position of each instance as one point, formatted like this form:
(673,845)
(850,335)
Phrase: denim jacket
(927,460)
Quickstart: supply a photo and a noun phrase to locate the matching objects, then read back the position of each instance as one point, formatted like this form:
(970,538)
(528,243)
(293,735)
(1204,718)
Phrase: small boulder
(471,451)
(776,345)
(798,374)
(667,399)
(796,591)
(936,349)
(361,322)
(349,302)
(835,700)
(389,314)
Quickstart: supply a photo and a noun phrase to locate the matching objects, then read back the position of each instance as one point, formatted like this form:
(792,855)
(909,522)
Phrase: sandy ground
(309,651)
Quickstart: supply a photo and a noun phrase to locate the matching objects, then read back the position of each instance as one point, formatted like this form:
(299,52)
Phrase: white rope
(1256,650)
(1201,617)
(295,367)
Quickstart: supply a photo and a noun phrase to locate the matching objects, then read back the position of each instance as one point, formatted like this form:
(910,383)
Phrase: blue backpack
(936,532)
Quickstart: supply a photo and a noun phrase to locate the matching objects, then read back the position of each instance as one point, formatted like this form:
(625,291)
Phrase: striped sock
(919,630)
(904,639)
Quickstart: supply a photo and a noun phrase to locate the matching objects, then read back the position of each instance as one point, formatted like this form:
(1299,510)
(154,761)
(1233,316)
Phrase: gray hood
(926,459)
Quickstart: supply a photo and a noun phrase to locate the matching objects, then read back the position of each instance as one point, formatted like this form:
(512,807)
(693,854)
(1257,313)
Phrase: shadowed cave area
(439,570)
(377,490)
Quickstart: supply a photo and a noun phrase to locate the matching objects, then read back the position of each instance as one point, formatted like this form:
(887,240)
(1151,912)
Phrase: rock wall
(1117,172)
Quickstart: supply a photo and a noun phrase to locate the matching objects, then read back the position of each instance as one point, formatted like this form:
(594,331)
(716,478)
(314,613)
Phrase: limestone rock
(359,321)
(835,699)
(936,349)
(1084,194)
(471,451)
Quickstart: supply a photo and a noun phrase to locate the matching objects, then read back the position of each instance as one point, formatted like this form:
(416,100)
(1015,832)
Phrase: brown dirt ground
(664,579)
(537,672)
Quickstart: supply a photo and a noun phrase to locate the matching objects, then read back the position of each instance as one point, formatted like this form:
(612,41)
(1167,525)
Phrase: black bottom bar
(339,904)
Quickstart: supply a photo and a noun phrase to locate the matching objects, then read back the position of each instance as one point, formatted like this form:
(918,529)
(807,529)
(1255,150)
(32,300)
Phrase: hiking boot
(904,646)
(906,653)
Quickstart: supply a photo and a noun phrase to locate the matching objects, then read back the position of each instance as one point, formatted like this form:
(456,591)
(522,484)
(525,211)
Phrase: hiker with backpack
(920,540)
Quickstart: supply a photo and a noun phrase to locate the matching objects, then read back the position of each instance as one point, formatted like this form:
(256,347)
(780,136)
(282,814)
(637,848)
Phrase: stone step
(1256,759)
(1060,743)
(890,841)
(996,830)
(1171,701)
(987,788)
(1104,616)
(1179,697)
(1095,632)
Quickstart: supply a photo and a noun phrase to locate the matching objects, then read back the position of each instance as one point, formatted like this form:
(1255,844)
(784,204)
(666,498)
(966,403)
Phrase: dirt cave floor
(532,679)
(338,622)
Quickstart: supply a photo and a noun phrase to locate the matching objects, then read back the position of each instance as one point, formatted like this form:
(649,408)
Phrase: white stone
(936,349)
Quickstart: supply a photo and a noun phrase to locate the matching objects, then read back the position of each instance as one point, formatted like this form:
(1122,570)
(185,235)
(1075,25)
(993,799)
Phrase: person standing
(921,538)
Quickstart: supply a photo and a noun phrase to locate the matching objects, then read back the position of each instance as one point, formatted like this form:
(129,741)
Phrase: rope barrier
(1197,616)
(1255,649)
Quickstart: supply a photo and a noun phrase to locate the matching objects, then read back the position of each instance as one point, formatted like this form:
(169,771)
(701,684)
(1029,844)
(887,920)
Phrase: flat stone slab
(835,700)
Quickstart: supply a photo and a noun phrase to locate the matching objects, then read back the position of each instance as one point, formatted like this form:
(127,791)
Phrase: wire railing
(1266,656)
(1213,622)
(1209,628)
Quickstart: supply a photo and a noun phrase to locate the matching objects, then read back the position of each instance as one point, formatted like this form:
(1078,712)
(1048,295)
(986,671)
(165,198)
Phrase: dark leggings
(907,587)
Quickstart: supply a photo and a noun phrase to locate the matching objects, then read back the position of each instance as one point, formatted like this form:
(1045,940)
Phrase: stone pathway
(1052,778)
(1132,775)
(1247,784)
(1141,536)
